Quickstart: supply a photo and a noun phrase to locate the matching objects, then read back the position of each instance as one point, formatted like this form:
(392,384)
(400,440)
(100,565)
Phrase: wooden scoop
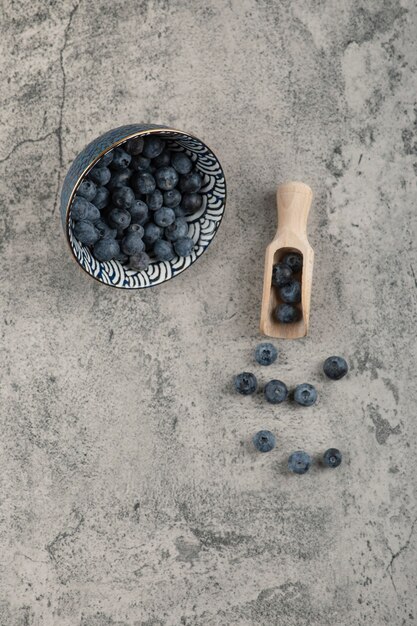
(293,202)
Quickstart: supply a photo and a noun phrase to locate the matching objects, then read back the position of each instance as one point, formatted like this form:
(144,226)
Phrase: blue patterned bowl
(203,225)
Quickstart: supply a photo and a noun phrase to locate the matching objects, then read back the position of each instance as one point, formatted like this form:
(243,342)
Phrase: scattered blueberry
(106,159)
(119,179)
(134,146)
(335,367)
(143,182)
(139,212)
(287,314)
(166,178)
(102,197)
(152,233)
(191,202)
(294,260)
(153,146)
(246,383)
(275,391)
(106,249)
(291,293)
(172,198)
(332,457)
(79,208)
(190,183)
(163,250)
(139,261)
(123,198)
(299,462)
(119,218)
(264,441)
(305,394)
(105,231)
(155,200)
(140,164)
(100,175)
(184,246)
(86,232)
(181,162)
(164,217)
(132,243)
(162,159)
(87,189)
(266,353)
(121,159)
(177,230)
(281,274)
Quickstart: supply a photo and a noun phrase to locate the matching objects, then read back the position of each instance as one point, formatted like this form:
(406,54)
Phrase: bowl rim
(153,131)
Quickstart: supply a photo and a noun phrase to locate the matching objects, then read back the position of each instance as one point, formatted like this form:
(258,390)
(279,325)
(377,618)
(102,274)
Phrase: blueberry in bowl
(166,181)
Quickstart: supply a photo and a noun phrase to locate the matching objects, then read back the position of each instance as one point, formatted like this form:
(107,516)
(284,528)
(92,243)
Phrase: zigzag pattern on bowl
(202,225)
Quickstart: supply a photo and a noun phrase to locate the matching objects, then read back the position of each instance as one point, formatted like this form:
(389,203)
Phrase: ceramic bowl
(203,225)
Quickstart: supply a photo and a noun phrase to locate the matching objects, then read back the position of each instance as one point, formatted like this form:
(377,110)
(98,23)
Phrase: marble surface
(130,494)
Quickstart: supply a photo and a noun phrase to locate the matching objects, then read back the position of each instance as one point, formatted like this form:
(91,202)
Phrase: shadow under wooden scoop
(293,202)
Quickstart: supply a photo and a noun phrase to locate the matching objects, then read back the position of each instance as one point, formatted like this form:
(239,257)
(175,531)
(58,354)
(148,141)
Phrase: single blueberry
(332,457)
(105,231)
(153,146)
(140,164)
(92,214)
(132,244)
(191,202)
(136,228)
(87,189)
(299,462)
(86,232)
(79,208)
(190,183)
(291,293)
(335,367)
(139,212)
(276,391)
(119,179)
(164,217)
(281,274)
(181,162)
(184,246)
(139,261)
(294,260)
(106,249)
(246,383)
(179,211)
(123,198)
(287,314)
(143,182)
(177,230)
(305,394)
(106,159)
(134,146)
(166,178)
(119,218)
(264,441)
(121,257)
(266,353)
(121,159)
(172,198)
(155,200)
(162,159)
(100,174)
(102,197)
(152,234)
(163,250)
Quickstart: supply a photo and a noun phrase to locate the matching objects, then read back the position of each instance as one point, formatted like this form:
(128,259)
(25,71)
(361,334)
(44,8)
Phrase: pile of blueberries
(131,207)
(275,392)
(286,278)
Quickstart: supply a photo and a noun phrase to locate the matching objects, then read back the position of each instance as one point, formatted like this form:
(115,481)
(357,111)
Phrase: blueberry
(79,208)
(87,189)
(172,198)
(299,462)
(190,183)
(119,218)
(134,146)
(155,200)
(139,212)
(266,353)
(184,246)
(121,159)
(332,457)
(102,197)
(179,211)
(164,217)
(191,202)
(92,214)
(181,162)
(119,179)
(86,232)
(291,293)
(140,164)
(163,250)
(162,159)
(153,146)
(281,274)
(139,261)
(166,178)
(264,441)
(335,367)
(100,174)
(123,198)
(275,391)
(246,383)
(294,260)
(143,182)
(105,231)
(287,314)
(152,233)
(305,394)
(177,230)
(132,244)
(121,257)
(106,249)
(106,159)
(136,228)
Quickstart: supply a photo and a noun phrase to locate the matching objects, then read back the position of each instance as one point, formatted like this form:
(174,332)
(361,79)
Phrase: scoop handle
(293,203)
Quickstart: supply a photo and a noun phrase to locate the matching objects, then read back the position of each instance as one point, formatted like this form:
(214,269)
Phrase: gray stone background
(130,494)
